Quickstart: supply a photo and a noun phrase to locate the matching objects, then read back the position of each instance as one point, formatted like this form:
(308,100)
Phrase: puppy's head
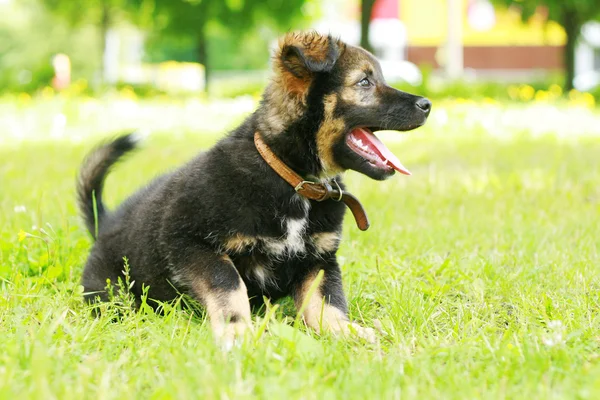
(330,97)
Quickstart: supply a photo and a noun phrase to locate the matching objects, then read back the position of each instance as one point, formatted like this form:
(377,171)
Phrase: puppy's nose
(424,105)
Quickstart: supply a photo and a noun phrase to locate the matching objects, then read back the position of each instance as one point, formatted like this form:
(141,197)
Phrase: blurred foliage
(487,92)
(557,10)
(544,90)
(103,14)
(493,92)
(230,34)
(228,50)
(235,33)
(571,14)
(30,37)
(231,88)
(199,22)
(97,12)
(480,89)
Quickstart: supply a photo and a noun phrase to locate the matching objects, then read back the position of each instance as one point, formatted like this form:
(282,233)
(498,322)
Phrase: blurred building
(495,42)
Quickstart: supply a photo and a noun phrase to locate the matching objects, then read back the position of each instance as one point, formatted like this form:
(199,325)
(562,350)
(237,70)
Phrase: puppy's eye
(364,82)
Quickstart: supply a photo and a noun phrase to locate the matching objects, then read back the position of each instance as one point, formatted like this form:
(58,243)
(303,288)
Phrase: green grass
(483,269)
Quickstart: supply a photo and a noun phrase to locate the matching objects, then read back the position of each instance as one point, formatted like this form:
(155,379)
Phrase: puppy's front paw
(232,334)
(362,332)
(336,321)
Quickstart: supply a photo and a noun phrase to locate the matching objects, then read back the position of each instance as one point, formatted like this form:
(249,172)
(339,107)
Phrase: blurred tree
(195,18)
(366,9)
(101,13)
(29,38)
(571,14)
(228,51)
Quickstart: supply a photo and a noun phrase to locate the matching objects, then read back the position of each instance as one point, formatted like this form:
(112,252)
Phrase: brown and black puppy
(225,228)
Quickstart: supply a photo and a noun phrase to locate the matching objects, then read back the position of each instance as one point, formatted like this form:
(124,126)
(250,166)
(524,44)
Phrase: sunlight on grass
(76,119)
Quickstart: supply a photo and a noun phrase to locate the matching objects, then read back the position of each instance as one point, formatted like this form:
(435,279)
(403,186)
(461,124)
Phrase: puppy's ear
(302,65)
(306,53)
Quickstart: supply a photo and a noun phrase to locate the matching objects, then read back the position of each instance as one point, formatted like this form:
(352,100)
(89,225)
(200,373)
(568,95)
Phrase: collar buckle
(300,186)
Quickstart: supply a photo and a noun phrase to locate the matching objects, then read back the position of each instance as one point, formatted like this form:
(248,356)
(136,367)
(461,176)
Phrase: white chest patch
(293,240)
(263,276)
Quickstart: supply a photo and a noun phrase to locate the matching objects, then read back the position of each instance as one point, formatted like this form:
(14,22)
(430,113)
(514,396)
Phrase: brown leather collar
(312,190)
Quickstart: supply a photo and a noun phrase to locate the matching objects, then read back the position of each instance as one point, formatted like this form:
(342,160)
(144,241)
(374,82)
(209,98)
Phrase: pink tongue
(379,148)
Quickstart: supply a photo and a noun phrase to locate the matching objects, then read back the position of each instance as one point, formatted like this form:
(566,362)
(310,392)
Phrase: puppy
(259,214)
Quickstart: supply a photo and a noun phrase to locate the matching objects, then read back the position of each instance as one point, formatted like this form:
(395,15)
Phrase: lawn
(482,270)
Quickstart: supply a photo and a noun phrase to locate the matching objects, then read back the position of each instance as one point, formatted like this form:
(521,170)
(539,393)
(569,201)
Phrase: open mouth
(364,143)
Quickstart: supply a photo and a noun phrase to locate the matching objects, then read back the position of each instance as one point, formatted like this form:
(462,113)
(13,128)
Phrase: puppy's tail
(92,173)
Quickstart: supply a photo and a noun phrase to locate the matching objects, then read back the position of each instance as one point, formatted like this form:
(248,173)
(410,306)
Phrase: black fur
(184,216)
(91,179)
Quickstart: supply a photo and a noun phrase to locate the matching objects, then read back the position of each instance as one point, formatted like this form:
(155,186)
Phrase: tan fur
(238,242)
(330,131)
(356,74)
(317,314)
(357,63)
(284,107)
(326,241)
(350,95)
(313,44)
(286,95)
(321,316)
(222,305)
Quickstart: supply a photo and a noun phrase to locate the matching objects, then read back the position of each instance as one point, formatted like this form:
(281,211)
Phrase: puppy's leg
(326,309)
(214,281)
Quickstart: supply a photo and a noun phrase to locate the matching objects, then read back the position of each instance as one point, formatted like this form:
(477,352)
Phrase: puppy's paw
(362,332)
(232,334)
(350,329)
